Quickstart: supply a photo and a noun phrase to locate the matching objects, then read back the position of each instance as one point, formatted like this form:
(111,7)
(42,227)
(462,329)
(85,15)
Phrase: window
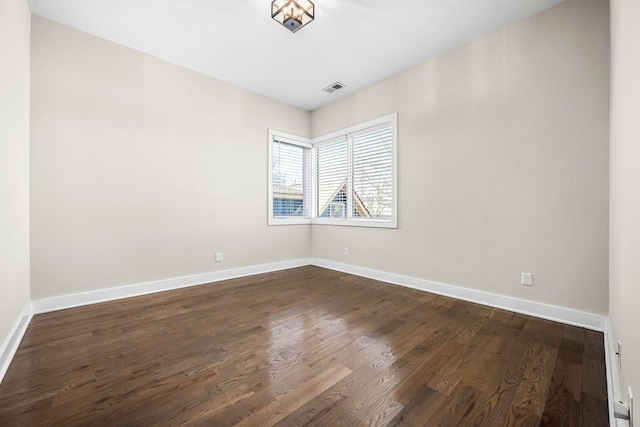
(373,173)
(331,179)
(345,178)
(289,180)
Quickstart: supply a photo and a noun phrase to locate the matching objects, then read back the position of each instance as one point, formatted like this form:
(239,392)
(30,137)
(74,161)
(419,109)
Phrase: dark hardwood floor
(306,346)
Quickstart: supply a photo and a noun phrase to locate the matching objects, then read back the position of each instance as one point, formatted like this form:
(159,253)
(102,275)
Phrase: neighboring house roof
(293,191)
(358,205)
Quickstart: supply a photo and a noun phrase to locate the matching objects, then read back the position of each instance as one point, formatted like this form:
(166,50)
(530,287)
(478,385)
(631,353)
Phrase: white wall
(624,264)
(142,170)
(15,21)
(503,163)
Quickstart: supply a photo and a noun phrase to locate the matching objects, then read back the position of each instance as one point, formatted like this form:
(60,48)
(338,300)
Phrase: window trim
(310,199)
(389,120)
(275,135)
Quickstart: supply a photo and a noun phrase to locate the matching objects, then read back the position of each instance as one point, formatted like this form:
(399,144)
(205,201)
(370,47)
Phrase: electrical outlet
(218,256)
(619,354)
(346,251)
(527,279)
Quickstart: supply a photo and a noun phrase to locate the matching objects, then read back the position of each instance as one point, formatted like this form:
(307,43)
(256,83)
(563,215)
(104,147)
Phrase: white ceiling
(356,42)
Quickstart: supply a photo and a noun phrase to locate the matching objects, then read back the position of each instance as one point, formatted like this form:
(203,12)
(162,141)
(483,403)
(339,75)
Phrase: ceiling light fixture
(293,14)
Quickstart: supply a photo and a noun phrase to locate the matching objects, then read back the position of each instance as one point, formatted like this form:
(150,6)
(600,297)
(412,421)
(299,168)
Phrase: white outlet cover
(527,279)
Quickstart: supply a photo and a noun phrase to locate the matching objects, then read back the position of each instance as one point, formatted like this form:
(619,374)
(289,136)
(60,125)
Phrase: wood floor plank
(302,347)
(562,407)
(448,378)
(534,385)
(593,366)
(423,406)
(452,411)
(420,377)
(277,409)
(496,405)
(593,411)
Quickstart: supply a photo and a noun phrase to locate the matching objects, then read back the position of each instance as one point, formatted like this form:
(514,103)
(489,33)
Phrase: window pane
(331,179)
(373,174)
(288,180)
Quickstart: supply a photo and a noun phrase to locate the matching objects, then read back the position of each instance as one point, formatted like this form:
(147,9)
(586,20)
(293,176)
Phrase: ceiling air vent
(333,87)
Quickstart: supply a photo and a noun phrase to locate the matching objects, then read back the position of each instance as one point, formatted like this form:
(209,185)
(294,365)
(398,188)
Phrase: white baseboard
(545,311)
(613,382)
(536,309)
(541,310)
(103,295)
(11,343)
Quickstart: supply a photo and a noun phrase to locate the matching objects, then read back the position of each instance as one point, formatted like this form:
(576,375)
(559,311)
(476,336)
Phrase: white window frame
(351,221)
(275,135)
(311,173)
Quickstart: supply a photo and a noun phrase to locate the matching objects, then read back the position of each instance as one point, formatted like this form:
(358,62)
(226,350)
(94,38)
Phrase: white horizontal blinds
(291,185)
(373,173)
(331,179)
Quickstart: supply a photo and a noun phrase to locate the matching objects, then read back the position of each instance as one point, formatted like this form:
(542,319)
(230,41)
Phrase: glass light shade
(293,14)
